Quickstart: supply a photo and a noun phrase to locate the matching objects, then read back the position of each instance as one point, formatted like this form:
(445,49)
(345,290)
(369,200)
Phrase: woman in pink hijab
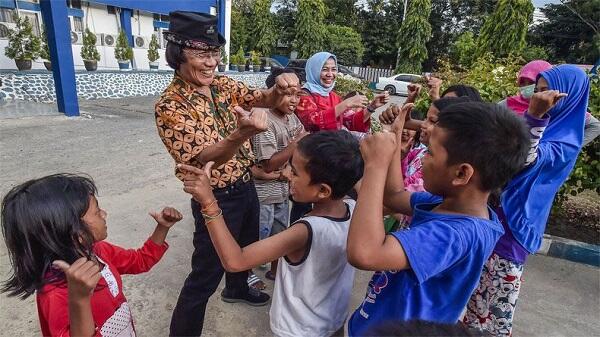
(526,82)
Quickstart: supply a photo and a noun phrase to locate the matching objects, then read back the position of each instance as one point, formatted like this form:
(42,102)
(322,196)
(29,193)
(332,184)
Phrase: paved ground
(115,142)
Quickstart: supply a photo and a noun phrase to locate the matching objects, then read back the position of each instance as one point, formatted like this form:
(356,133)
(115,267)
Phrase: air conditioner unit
(98,39)
(76,37)
(141,41)
(5,27)
(109,40)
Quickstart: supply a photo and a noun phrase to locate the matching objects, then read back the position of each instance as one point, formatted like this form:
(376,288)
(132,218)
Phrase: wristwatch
(370,109)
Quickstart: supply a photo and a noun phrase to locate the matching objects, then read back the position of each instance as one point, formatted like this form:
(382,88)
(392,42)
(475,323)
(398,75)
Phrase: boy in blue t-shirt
(428,272)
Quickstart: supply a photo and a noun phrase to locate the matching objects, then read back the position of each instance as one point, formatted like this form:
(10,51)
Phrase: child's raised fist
(167,217)
(82,277)
(197,183)
(542,102)
(378,148)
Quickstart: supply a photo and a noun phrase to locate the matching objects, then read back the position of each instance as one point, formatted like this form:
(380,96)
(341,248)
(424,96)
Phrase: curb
(570,250)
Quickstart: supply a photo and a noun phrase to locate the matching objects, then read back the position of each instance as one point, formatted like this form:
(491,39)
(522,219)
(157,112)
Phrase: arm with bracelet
(291,242)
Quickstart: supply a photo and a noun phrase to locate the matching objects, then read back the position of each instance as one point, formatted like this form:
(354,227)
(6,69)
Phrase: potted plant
(240,60)
(224,60)
(153,53)
(23,45)
(255,59)
(89,53)
(123,51)
(45,51)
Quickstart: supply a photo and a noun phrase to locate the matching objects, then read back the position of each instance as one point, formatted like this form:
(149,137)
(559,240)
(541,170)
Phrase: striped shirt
(279,133)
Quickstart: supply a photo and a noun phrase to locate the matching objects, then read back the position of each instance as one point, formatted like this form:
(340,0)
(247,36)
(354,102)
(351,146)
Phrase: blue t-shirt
(446,253)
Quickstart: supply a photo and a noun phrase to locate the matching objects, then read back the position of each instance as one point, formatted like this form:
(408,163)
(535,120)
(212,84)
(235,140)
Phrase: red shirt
(318,113)
(110,310)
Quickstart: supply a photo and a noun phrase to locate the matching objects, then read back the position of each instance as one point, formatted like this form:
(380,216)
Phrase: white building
(104,21)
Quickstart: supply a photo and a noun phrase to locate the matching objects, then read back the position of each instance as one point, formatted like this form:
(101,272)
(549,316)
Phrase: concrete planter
(241,67)
(221,68)
(48,65)
(154,65)
(233,67)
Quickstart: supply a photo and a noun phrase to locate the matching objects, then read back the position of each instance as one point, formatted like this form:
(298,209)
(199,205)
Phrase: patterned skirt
(492,305)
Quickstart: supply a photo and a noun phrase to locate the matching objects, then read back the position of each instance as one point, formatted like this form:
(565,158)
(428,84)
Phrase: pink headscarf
(530,71)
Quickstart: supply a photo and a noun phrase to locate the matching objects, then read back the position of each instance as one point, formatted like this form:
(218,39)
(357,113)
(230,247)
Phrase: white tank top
(311,298)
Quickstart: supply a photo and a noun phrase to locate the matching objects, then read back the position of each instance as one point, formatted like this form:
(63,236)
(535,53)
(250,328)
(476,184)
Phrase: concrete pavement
(115,142)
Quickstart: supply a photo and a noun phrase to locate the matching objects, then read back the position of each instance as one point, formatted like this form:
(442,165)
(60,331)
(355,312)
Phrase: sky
(542,3)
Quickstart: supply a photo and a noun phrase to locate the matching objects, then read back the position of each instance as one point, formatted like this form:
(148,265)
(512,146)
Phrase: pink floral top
(411,169)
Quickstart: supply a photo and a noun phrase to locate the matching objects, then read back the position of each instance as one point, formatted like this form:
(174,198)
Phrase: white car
(397,84)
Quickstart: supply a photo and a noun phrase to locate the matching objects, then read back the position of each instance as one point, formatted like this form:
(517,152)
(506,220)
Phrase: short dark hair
(418,328)
(270,81)
(444,102)
(174,55)
(462,90)
(333,159)
(42,222)
(489,137)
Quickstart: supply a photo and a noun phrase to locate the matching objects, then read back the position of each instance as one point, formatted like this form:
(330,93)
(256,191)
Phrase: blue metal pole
(57,25)
(126,24)
(221,18)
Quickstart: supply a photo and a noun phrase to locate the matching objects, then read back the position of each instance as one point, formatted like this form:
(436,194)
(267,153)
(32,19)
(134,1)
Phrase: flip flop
(255,282)
(270,275)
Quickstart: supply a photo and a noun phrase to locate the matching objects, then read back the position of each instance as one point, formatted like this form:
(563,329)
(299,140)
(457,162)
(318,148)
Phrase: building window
(77,24)
(164,18)
(6,15)
(213,10)
(111,9)
(74,4)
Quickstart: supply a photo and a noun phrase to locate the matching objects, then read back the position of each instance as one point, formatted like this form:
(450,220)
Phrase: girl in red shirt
(54,232)
(320,108)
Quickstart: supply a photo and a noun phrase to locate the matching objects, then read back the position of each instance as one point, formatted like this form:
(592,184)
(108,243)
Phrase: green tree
(462,51)
(285,17)
(341,12)
(414,35)
(263,27)
(571,31)
(123,51)
(345,43)
(378,26)
(505,29)
(309,30)
(241,16)
(153,49)
(89,51)
(22,43)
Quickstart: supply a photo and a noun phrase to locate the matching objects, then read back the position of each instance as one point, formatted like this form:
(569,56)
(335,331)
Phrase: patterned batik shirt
(188,122)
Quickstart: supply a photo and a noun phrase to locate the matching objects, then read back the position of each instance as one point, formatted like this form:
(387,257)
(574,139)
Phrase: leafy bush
(89,51)
(22,43)
(238,58)
(462,51)
(224,58)
(153,49)
(255,58)
(123,51)
(345,43)
(345,85)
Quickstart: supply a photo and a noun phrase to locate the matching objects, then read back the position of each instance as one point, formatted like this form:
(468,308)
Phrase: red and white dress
(110,310)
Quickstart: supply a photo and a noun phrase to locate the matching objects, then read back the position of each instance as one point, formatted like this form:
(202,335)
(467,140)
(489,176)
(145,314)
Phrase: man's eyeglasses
(204,55)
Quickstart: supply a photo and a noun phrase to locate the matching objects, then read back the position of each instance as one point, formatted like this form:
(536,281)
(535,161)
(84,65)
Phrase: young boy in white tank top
(314,280)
